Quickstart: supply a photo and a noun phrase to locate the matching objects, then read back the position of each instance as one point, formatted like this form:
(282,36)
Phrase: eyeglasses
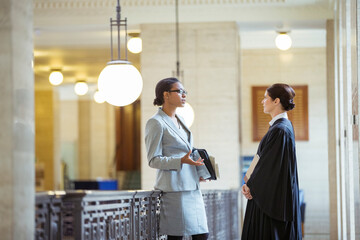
(179,91)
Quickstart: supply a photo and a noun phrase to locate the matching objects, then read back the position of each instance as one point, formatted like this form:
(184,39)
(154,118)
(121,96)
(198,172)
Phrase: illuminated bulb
(99,97)
(120,82)
(283,41)
(135,45)
(186,112)
(81,88)
(56,78)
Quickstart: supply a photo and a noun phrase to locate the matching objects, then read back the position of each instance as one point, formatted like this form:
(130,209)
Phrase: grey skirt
(182,214)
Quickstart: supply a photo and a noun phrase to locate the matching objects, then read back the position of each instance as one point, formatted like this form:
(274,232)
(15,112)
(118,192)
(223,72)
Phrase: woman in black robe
(273,210)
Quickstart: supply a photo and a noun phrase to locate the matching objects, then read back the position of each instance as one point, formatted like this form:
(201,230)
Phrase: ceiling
(74,34)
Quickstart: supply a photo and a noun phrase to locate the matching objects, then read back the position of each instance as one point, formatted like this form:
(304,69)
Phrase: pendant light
(134,45)
(56,77)
(283,41)
(120,82)
(187,112)
(99,97)
(81,88)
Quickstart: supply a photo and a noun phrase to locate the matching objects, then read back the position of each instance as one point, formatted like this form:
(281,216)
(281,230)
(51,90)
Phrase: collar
(281,115)
(170,123)
(181,120)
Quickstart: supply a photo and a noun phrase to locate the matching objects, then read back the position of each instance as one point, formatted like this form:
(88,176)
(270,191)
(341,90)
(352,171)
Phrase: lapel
(171,125)
(186,129)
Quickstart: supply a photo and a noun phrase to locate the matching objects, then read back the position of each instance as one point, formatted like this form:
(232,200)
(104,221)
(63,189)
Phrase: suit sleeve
(153,141)
(270,182)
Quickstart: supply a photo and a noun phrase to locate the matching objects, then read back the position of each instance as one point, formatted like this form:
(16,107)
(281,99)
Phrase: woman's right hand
(245,190)
(187,160)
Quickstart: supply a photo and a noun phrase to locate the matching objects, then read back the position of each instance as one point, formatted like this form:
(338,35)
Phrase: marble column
(347,114)
(332,130)
(84,150)
(16,120)
(47,144)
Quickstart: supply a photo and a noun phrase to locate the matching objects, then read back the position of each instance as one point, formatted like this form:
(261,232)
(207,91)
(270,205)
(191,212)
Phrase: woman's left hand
(187,160)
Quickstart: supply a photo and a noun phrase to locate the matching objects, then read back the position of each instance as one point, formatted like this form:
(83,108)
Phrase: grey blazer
(165,146)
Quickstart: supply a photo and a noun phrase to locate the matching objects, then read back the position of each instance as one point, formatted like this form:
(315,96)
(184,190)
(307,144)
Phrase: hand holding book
(210,169)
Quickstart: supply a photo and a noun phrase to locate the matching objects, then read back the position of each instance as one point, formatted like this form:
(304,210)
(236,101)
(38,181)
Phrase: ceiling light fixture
(56,77)
(99,97)
(81,88)
(187,112)
(120,82)
(283,41)
(135,43)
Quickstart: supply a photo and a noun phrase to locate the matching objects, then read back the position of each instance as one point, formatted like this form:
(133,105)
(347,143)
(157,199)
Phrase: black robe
(274,211)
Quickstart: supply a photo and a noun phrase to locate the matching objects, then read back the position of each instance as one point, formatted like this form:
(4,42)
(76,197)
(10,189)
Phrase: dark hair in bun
(285,93)
(162,86)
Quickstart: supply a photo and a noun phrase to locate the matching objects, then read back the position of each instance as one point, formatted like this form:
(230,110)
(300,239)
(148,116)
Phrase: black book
(209,170)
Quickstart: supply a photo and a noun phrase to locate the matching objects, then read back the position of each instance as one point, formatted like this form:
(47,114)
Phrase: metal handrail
(124,214)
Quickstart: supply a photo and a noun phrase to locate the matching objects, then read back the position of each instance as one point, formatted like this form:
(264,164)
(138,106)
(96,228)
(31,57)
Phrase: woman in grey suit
(169,143)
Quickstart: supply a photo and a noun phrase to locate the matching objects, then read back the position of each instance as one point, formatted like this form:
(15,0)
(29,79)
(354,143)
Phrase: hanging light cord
(177,38)
(118,17)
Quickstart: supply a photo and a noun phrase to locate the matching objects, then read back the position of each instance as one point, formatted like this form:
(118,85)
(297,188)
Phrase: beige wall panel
(47,142)
(84,135)
(100,157)
(69,136)
(87,138)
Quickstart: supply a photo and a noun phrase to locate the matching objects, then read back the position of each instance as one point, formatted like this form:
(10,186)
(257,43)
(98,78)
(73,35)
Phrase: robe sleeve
(270,183)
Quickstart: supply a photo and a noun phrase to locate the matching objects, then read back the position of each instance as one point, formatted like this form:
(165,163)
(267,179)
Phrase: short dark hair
(284,92)
(162,86)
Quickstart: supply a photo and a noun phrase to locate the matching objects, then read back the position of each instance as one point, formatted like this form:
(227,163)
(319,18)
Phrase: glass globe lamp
(283,41)
(81,88)
(120,82)
(99,97)
(56,77)
(135,45)
(186,112)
